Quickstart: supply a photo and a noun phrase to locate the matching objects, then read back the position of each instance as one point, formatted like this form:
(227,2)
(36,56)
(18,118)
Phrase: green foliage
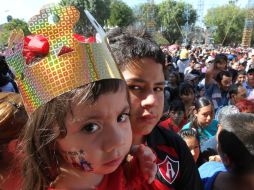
(143,11)
(120,14)
(171,14)
(227,22)
(159,39)
(8,27)
(100,9)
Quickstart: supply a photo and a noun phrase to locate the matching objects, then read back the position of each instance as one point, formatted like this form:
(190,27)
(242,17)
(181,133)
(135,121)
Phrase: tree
(227,23)
(100,9)
(120,14)
(8,27)
(171,14)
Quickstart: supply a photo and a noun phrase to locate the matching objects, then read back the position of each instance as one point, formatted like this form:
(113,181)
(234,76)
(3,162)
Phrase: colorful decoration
(52,62)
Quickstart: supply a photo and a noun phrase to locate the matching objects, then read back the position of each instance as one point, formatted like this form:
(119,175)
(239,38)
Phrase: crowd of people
(123,114)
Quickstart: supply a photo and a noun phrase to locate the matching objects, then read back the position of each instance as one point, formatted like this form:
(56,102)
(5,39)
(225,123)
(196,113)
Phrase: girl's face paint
(99,133)
(77,160)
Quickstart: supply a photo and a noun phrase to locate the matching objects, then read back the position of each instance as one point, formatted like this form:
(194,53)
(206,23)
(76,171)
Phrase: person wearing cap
(249,83)
(183,62)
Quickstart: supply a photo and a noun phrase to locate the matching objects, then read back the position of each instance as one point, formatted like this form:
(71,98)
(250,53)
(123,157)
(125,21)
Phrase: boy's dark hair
(176,105)
(128,44)
(188,46)
(236,140)
(221,74)
(220,57)
(233,89)
(241,72)
(185,89)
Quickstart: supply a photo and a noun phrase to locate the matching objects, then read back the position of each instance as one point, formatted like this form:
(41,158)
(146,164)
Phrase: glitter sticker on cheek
(77,160)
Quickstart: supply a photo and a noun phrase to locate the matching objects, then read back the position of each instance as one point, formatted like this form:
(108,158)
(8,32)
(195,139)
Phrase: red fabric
(168,124)
(12,176)
(118,181)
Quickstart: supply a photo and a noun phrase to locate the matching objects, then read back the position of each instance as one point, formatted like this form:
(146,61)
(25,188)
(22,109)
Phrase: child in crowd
(71,141)
(190,136)
(175,118)
(203,120)
(12,119)
(241,77)
(236,149)
(187,96)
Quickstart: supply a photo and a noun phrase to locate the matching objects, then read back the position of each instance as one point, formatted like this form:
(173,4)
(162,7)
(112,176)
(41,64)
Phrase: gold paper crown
(54,75)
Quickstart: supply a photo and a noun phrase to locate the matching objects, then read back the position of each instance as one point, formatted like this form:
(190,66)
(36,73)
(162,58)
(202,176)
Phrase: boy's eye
(123,117)
(90,128)
(134,87)
(158,89)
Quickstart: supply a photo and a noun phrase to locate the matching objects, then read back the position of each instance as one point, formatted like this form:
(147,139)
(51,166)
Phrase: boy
(141,62)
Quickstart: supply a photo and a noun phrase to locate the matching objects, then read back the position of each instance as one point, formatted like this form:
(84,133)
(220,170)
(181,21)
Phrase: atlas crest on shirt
(169,169)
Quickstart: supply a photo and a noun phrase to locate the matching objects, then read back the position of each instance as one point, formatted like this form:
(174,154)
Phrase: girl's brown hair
(12,116)
(40,165)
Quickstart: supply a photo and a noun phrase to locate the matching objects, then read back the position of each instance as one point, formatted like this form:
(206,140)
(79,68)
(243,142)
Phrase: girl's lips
(114,162)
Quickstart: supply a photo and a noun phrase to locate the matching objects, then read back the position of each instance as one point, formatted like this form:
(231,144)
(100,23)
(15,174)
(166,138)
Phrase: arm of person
(140,165)
(209,75)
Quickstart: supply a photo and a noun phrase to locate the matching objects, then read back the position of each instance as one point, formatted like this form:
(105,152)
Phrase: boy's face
(177,116)
(99,135)
(241,78)
(225,82)
(145,80)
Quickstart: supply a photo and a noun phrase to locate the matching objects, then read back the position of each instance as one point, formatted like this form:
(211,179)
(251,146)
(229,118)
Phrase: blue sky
(24,9)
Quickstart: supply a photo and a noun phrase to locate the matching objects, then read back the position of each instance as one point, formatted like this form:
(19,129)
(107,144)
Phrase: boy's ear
(226,161)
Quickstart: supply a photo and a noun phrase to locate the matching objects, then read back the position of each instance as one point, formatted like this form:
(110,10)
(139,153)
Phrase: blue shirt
(217,96)
(247,87)
(7,88)
(208,173)
(206,132)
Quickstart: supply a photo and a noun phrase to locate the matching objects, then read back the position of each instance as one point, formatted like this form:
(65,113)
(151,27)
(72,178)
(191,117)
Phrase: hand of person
(215,158)
(146,159)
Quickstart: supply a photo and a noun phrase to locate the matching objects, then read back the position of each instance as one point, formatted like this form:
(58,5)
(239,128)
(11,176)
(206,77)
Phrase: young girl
(77,137)
(190,136)
(203,120)
(12,119)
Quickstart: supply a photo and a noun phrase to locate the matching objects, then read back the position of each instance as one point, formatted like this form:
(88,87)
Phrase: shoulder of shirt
(160,135)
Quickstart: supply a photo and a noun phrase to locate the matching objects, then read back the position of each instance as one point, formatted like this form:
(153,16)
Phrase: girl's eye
(123,117)
(90,128)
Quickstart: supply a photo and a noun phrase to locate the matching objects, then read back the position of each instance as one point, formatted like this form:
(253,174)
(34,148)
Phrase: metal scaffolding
(248,25)
(150,25)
